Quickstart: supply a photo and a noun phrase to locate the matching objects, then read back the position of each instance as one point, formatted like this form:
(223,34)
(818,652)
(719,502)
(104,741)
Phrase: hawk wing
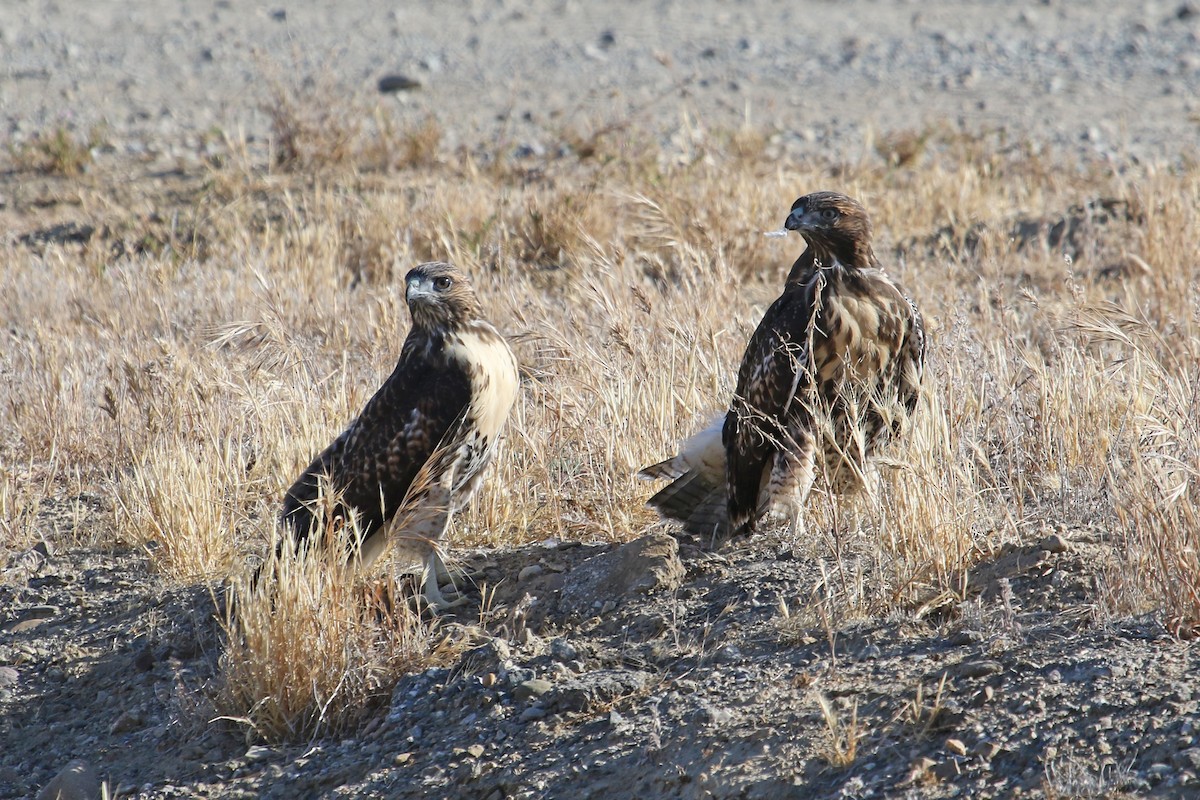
(696,494)
(373,463)
(776,366)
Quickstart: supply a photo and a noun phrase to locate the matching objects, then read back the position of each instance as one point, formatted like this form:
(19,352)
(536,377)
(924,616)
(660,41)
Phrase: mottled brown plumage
(422,442)
(832,372)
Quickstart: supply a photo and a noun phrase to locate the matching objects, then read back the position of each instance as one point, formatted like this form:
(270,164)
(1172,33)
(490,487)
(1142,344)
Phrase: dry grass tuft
(59,151)
(844,736)
(316,126)
(311,649)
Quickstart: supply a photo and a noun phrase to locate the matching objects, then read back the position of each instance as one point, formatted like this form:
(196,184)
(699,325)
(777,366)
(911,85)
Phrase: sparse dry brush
(190,389)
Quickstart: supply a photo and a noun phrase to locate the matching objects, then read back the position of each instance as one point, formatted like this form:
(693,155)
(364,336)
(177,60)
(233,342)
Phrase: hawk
(422,442)
(831,374)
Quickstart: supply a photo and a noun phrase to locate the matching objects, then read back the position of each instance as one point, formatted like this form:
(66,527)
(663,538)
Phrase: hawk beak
(416,293)
(793,222)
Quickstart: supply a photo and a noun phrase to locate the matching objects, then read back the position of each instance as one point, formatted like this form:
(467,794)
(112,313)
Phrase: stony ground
(639,670)
(644,669)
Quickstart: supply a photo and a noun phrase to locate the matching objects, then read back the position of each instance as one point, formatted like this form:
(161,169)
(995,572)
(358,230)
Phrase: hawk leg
(791,480)
(434,574)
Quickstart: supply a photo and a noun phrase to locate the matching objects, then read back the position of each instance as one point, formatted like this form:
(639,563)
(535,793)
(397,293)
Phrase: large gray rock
(76,781)
(645,565)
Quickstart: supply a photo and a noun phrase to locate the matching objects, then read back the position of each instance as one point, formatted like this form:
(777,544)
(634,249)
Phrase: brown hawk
(832,372)
(423,441)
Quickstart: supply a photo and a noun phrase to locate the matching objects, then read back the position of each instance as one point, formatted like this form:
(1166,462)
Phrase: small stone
(534,687)
(919,769)
(532,713)
(986,750)
(956,746)
(475,750)
(8,676)
(1054,543)
(390,84)
(529,572)
(1189,758)
(144,660)
(30,618)
(400,759)
(258,753)
(712,715)
(975,669)
(563,651)
(729,654)
(76,781)
(1159,771)
(870,653)
(489,680)
(126,722)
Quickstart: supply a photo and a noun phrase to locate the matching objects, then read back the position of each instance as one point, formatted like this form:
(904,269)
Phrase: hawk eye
(829,214)
(441,283)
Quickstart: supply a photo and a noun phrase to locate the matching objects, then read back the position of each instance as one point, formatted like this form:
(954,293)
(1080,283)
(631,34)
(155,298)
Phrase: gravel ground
(1107,76)
(643,670)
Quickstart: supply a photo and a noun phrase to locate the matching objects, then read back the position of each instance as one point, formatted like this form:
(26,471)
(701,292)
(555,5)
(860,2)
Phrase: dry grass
(60,151)
(190,386)
(312,646)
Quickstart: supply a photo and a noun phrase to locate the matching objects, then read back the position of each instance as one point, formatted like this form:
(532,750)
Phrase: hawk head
(835,226)
(439,296)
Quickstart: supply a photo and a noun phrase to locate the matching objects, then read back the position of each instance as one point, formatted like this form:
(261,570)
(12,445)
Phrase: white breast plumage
(493,371)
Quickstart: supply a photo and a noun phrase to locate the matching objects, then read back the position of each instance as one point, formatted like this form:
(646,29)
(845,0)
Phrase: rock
(258,753)
(400,759)
(532,713)
(535,687)
(1054,543)
(390,84)
(596,688)
(127,721)
(475,750)
(529,571)
(956,746)
(76,781)
(563,651)
(144,660)
(29,618)
(974,669)
(729,654)
(1189,758)
(8,676)
(645,565)
(987,750)
(712,715)
(947,771)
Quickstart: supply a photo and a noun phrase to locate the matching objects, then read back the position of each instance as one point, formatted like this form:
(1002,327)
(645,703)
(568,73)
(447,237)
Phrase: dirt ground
(647,669)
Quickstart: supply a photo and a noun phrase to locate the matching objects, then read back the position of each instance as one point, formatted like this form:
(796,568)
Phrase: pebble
(532,713)
(529,572)
(563,651)
(258,753)
(975,669)
(1054,543)
(534,687)
(390,84)
(125,722)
